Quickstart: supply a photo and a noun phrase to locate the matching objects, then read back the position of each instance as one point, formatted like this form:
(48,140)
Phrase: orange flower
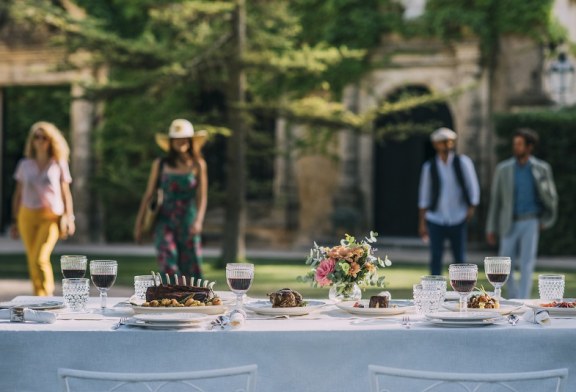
(354,269)
(370,267)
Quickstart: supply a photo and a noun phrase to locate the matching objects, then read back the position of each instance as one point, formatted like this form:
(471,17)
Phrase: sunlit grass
(271,275)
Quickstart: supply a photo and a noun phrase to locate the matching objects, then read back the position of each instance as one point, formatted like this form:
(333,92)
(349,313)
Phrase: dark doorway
(398,159)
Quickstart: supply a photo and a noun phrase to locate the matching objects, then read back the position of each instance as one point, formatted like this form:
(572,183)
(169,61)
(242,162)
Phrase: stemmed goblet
(239,277)
(103,274)
(463,279)
(497,271)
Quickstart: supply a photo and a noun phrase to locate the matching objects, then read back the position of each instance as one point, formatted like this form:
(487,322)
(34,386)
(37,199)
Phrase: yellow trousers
(39,231)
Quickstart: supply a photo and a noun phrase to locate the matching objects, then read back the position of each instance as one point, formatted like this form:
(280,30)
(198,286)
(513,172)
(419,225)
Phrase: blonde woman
(182,175)
(42,202)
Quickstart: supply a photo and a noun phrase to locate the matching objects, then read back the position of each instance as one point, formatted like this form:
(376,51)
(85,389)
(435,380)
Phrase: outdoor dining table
(328,350)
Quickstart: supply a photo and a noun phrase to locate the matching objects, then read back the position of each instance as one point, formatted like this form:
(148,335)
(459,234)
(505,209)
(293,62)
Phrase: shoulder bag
(153,207)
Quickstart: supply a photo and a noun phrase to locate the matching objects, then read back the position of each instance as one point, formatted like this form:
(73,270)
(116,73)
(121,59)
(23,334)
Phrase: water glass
(73,266)
(76,292)
(435,281)
(427,299)
(551,287)
(141,283)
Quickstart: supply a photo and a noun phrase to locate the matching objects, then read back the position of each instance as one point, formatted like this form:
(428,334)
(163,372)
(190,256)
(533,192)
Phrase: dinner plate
(460,317)
(567,312)
(159,325)
(462,324)
(506,307)
(171,317)
(265,308)
(396,307)
(37,305)
(212,309)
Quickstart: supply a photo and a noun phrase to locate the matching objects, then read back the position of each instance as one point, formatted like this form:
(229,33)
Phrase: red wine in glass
(497,271)
(497,278)
(463,278)
(103,274)
(239,277)
(463,286)
(240,284)
(103,281)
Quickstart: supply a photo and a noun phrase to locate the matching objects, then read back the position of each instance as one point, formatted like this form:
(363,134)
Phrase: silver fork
(406,322)
(120,323)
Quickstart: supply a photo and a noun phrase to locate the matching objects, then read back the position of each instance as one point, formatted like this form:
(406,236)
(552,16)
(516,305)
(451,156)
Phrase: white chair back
(238,379)
(385,379)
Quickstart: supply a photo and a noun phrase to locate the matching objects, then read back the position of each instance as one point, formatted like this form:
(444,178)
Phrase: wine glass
(497,271)
(239,277)
(73,266)
(103,274)
(463,279)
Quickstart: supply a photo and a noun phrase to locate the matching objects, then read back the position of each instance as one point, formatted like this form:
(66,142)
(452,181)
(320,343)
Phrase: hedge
(557,131)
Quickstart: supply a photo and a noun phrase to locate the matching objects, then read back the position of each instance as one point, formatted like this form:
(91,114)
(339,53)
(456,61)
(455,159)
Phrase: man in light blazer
(523,201)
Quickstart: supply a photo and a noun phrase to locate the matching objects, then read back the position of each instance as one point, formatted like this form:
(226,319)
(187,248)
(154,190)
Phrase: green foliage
(488,20)
(557,131)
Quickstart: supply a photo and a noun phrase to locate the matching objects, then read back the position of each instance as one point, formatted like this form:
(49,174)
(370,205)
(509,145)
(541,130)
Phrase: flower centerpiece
(346,267)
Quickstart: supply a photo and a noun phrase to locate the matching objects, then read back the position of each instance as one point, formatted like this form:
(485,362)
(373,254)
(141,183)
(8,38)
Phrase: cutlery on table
(406,322)
(120,323)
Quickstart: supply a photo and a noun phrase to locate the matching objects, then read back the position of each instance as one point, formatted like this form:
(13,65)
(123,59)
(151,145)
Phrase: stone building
(373,184)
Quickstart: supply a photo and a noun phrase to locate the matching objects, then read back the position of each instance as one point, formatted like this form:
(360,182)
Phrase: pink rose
(325,268)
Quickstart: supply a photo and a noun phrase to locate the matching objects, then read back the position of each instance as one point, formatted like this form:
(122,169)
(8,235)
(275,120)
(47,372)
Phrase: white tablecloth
(326,351)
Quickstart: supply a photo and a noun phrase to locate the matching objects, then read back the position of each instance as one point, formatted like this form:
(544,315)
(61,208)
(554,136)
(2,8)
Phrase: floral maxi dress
(177,251)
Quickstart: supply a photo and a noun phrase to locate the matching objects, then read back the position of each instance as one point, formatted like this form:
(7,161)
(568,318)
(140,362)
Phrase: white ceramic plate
(567,312)
(506,307)
(462,324)
(171,317)
(214,309)
(265,308)
(38,305)
(141,324)
(396,307)
(463,317)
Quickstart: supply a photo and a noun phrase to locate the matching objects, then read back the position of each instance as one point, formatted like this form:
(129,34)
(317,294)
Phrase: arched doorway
(398,159)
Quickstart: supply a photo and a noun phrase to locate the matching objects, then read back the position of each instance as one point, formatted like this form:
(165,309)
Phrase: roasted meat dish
(286,298)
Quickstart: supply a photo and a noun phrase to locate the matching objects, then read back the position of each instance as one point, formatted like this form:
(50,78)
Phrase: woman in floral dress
(182,176)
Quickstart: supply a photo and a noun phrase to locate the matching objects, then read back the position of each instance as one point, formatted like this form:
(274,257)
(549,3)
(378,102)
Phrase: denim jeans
(456,234)
(521,245)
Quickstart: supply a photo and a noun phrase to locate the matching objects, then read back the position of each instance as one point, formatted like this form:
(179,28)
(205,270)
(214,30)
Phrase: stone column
(285,189)
(2,174)
(348,214)
(81,118)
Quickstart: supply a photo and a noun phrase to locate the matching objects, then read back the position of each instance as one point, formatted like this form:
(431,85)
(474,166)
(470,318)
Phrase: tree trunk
(233,244)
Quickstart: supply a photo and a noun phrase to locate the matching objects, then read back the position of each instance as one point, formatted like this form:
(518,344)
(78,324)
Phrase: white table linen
(325,351)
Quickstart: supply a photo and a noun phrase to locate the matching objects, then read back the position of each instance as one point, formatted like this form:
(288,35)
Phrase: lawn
(270,275)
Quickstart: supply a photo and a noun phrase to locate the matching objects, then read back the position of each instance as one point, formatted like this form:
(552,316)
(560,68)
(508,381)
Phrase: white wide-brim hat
(181,129)
(443,134)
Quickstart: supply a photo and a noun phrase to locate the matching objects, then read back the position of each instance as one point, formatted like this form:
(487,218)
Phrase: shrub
(557,131)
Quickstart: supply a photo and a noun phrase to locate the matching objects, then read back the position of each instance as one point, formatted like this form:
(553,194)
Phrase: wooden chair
(238,379)
(385,379)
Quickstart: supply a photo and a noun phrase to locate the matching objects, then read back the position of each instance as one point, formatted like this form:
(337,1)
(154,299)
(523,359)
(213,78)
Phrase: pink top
(41,189)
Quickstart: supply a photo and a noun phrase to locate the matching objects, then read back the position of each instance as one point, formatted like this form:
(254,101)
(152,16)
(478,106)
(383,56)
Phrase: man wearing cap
(523,201)
(448,195)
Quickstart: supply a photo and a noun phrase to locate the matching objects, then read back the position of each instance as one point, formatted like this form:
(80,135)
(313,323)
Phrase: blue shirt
(452,207)
(526,200)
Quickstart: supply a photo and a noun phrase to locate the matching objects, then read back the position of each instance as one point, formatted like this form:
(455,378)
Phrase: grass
(271,275)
